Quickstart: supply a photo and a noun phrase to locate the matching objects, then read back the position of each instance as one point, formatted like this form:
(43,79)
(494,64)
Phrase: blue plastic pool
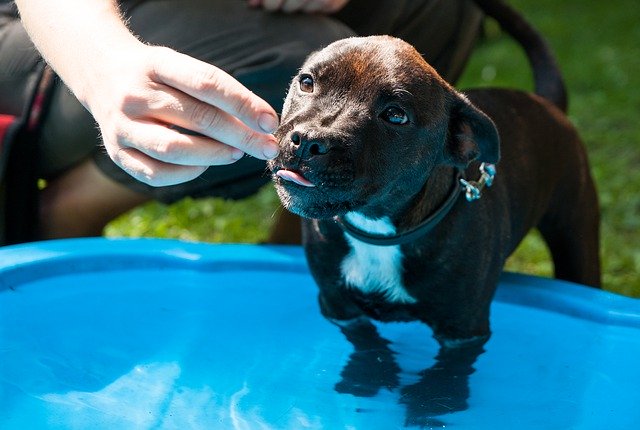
(154,334)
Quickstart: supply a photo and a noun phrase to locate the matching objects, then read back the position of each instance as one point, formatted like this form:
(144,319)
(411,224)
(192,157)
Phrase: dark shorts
(262,50)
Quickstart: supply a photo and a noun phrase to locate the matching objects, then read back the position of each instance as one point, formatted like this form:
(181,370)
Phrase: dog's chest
(374,269)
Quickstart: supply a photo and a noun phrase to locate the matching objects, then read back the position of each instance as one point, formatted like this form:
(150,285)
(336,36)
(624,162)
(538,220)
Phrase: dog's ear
(472,135)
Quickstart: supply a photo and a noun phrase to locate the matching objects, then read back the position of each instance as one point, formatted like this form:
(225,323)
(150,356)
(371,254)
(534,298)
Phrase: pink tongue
(289,175)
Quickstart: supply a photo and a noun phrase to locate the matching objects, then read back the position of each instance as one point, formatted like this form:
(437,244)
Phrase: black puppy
(378,153)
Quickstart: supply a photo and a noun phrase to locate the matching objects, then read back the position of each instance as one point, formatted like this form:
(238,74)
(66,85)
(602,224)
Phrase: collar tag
(473,189)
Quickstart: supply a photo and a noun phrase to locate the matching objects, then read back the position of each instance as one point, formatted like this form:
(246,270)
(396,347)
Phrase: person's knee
(82,201)
(261,49)
(68,134)
(19,65)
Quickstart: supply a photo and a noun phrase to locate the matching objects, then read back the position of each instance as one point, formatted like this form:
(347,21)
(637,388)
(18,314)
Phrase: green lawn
(598,48)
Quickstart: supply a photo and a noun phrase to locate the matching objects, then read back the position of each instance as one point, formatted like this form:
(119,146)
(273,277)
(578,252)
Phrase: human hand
(307,6)
(145,90)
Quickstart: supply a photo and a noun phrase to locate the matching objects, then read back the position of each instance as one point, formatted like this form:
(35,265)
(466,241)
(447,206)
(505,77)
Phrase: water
(244,348)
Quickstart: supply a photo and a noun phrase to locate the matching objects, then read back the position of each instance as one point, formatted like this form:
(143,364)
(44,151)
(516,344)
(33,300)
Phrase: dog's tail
(546,73)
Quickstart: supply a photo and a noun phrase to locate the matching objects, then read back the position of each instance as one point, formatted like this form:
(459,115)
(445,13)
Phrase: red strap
(5,122)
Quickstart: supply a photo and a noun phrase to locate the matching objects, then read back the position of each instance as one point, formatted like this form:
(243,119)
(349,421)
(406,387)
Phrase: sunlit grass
(202,220)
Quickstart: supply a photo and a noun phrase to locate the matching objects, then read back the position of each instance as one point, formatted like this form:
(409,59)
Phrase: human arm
(136,92)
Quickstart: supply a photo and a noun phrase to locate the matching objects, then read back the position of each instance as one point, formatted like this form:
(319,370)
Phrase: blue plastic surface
(155,334)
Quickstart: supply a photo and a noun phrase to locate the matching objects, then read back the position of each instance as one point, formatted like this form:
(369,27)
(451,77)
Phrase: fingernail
(237,154)
(270,151)
(268,123)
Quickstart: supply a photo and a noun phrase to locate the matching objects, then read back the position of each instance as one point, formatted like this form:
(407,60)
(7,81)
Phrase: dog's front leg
(371,365)
(459,320)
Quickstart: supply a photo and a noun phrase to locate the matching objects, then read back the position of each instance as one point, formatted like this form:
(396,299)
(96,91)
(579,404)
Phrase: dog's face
(364,123)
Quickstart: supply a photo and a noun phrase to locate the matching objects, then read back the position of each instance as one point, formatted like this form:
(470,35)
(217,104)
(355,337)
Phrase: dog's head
(365,122)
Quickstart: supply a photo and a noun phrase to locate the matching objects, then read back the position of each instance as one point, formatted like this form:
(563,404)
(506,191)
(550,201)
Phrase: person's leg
(79,199)
(86,190)
(82,201)
(443,31)
(260,49)
(19,64)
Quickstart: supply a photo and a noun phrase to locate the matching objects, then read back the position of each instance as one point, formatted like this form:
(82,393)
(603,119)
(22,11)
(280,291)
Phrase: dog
(414,194)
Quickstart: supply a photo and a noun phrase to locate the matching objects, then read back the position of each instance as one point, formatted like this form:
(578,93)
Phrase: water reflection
(442,388)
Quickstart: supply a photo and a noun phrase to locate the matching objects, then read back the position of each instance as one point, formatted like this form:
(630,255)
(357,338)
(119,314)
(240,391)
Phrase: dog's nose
(305,147)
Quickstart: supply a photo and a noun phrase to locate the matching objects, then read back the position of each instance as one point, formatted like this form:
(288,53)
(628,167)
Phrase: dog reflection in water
(441,389)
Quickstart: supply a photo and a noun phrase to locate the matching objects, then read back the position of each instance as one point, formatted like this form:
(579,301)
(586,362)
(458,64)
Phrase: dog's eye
(306,83)
(394,115)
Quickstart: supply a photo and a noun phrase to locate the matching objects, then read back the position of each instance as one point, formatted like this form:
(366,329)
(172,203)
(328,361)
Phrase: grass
(596,44)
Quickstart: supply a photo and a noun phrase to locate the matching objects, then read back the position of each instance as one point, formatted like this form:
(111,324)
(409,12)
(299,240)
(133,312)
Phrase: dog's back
(552,172)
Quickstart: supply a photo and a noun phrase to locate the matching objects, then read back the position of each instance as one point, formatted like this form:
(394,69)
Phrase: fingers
(170,146)
(272,5)
(137,115)
(151,171)
(294,5)
(324,6)
(187,112)
(159,156)
(306,6)
(215,87)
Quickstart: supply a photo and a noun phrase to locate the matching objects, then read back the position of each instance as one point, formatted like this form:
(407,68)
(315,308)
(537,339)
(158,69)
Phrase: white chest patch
(371,268)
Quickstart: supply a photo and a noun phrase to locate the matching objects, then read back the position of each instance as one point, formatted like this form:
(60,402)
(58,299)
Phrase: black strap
(409,235)
(19,178)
